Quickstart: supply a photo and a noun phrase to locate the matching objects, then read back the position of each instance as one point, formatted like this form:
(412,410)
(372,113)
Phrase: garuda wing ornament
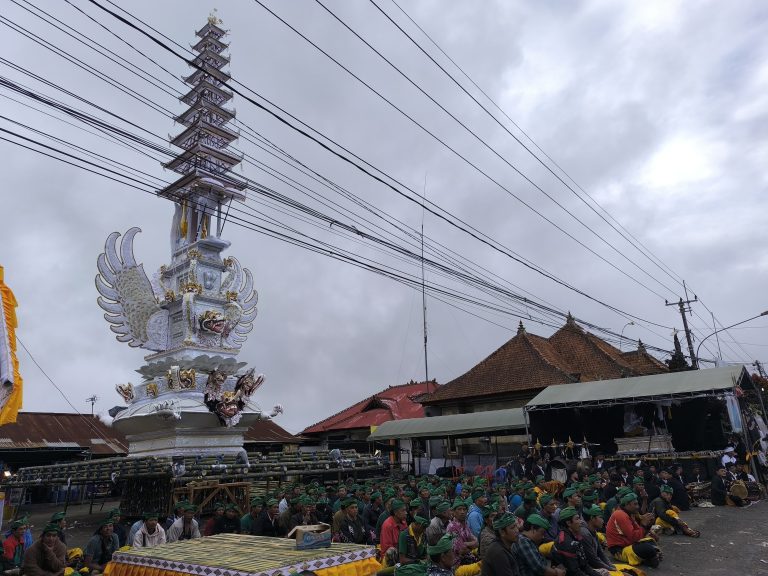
(126,296)
(240,311)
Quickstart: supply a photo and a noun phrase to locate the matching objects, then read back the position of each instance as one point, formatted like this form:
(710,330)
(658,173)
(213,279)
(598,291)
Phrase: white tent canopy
(673,385)
(511,419)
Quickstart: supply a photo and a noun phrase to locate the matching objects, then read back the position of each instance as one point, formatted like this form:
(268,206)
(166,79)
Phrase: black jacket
(680,495)
(499,561)
(719,491)
(569,551)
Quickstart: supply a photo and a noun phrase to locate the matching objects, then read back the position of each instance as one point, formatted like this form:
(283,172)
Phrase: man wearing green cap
(391,528)
(569,550)
(248,521)
(440,519)
(47,556)
(668,516)
(628,541)
(463,539)
(475,512)
(549,511)
(372,511)
(117,526)
(266,523)
(150,534)
(341,495)
(351,529)
(307,515)
(529,559)
(13,547)
(441,556)
(498,559)
(411,545)
(229,523)
(210,525)
(99,550)
(613,502)
(487,534)
(60,519)
(185,528)
(529,505)
(596,557)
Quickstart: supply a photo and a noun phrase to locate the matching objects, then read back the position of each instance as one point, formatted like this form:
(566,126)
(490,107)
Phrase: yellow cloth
(367,567)
(627,554)
(623,569)
(602,539)
(469,569)
(666,525)
(8,320)
(73,553)
(546,549)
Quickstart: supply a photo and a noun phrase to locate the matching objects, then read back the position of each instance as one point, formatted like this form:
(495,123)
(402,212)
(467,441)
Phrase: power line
(628,237)
(489,148)
(478,236)
(88,422)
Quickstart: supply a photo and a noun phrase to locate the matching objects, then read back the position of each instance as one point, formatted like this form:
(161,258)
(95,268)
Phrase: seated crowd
(598,524)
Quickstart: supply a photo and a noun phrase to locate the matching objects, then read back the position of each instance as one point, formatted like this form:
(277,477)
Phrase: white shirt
(283,506)
(728,458)
(144,539)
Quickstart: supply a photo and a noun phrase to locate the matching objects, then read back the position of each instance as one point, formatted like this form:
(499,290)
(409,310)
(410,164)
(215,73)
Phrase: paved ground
(733,541)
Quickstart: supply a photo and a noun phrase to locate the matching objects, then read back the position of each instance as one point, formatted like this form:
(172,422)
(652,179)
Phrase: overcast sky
(659,110)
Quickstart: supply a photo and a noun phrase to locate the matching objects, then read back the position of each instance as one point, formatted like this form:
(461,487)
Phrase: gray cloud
(657,109)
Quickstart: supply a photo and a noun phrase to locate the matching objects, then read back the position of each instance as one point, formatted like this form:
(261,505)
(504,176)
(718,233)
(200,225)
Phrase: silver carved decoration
(127,297)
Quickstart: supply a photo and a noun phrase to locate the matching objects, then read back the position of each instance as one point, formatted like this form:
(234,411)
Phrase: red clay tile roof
(267,431)
(55,430)
(528,363)
(393,403)
(643,364)
(591,357)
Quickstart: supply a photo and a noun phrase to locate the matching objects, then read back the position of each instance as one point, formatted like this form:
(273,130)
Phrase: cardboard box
(312,536)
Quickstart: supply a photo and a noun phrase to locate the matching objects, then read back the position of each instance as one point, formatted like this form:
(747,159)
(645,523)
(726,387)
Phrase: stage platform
(237,555)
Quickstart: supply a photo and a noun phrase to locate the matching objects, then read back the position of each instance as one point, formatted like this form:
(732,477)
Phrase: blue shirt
(475,520)
(514,501)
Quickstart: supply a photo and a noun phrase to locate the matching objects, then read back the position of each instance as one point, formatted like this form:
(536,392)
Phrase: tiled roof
(393,403)
(266,431)
(528,363)
(52,430)
(591,357)
(642,363)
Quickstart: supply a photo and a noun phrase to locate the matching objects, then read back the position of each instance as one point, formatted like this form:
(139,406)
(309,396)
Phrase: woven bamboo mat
(237,555)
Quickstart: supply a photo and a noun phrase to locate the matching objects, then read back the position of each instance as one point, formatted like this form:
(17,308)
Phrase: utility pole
(757,364)
(424,289)
(681,305)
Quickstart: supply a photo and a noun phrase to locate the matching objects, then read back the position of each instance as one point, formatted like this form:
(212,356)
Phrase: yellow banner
(10,379)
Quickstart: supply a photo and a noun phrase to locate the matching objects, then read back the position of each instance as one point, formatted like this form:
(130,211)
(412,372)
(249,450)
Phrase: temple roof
(527,363)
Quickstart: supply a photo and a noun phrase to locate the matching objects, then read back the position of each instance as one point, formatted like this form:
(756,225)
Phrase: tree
(678,363)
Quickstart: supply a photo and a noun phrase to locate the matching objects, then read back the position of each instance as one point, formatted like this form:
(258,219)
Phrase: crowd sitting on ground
(516,522)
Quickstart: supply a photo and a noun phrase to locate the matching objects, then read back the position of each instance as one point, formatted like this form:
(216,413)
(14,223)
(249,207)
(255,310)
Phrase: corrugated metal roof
(625,390)
(452,425)
(56,430)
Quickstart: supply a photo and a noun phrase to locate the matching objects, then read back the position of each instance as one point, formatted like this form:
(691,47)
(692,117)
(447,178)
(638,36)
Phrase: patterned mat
(236,555)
